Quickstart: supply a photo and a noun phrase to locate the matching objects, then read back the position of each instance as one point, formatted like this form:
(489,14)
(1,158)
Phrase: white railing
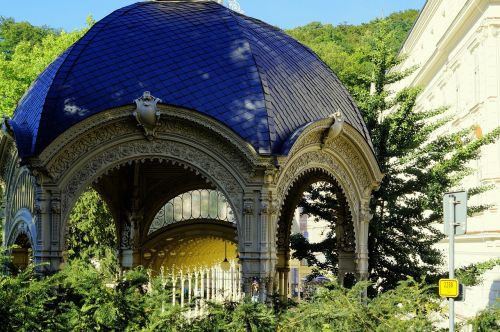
(195,287)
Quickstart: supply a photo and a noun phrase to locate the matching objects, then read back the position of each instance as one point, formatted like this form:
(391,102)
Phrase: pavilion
(200,128)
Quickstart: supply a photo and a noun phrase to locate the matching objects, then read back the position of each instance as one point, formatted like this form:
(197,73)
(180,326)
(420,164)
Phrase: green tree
(91,230)
(343,47)
(418,169)
(25,52)
(335,308)
(24,59)
(487,320)
(12,33)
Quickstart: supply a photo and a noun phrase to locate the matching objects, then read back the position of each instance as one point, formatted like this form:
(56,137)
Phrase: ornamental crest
(147,114)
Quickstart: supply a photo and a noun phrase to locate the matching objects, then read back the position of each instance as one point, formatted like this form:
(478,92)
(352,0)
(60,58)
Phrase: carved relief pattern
(341,145)
(92,140)
(89,142)
(346,150)
(303,164)
(55,209)
(126,241)
(142,150)
(120,118)
(309,138)
(248,211)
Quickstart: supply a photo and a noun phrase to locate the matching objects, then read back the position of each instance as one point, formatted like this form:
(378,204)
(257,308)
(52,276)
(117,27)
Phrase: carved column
(362,239)
(346,244)
(130,255)
(49,235)
(249,256)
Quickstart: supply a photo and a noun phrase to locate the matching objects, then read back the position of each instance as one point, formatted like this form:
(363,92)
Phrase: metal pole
(451,260)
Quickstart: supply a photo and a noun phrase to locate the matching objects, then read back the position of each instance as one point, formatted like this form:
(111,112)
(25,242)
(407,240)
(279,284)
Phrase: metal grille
(196,204)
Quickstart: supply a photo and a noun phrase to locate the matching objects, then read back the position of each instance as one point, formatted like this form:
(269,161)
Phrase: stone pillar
(286,281)
(362,240)
(174,279)
(130,255)
(189,286)
(49,242)
(258,247)
(182,288)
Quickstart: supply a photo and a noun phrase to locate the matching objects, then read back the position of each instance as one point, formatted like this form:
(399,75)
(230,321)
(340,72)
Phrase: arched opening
(171,219)
(21,253)
(192,243)
(315,234)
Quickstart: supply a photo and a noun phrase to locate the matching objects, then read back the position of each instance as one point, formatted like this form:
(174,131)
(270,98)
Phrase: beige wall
(456,46)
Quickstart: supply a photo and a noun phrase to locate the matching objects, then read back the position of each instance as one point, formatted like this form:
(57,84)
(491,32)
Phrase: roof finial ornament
(234,6)
(147,114)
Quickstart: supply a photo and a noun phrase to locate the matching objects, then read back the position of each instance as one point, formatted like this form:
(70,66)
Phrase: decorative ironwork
(24,195)
(196,204)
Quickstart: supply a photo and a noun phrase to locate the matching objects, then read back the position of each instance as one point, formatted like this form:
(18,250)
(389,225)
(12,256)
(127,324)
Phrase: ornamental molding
(343,155)
(116,117)
(314,134)
(338,157)
(113,157)
(147,114)
(106,136)
(248,207)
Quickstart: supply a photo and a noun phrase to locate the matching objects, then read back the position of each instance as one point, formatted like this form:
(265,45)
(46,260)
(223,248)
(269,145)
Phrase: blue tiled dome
(200,55)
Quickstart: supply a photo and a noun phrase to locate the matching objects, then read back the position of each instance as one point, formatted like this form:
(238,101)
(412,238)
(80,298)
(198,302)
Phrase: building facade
(455,45)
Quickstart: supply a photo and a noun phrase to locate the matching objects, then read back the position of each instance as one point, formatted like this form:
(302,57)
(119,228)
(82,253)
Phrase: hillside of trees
(346,48)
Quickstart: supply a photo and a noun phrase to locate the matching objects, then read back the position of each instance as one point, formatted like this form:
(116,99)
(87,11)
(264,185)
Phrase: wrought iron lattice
(24,196)
(196,204)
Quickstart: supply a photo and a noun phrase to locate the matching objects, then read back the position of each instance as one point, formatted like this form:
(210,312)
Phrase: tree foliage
(408,307)
(25,51)
(12,33)
(82,297)
(419,166)
(344,47)
(91,230)
(472,275)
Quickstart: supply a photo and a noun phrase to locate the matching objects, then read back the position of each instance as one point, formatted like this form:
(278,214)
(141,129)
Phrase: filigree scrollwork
(268,207)
(146,114)
(126,241)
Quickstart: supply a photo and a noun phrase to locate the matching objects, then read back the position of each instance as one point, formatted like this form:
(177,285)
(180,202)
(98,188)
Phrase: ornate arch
(20,204)
(294,194)
(22,223)
(336,150)
(93,148)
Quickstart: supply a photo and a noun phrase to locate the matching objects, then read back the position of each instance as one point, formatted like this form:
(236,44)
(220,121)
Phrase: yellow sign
(448,287)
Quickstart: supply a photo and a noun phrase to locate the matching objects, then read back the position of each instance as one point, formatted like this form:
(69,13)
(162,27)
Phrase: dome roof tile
(248,75)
